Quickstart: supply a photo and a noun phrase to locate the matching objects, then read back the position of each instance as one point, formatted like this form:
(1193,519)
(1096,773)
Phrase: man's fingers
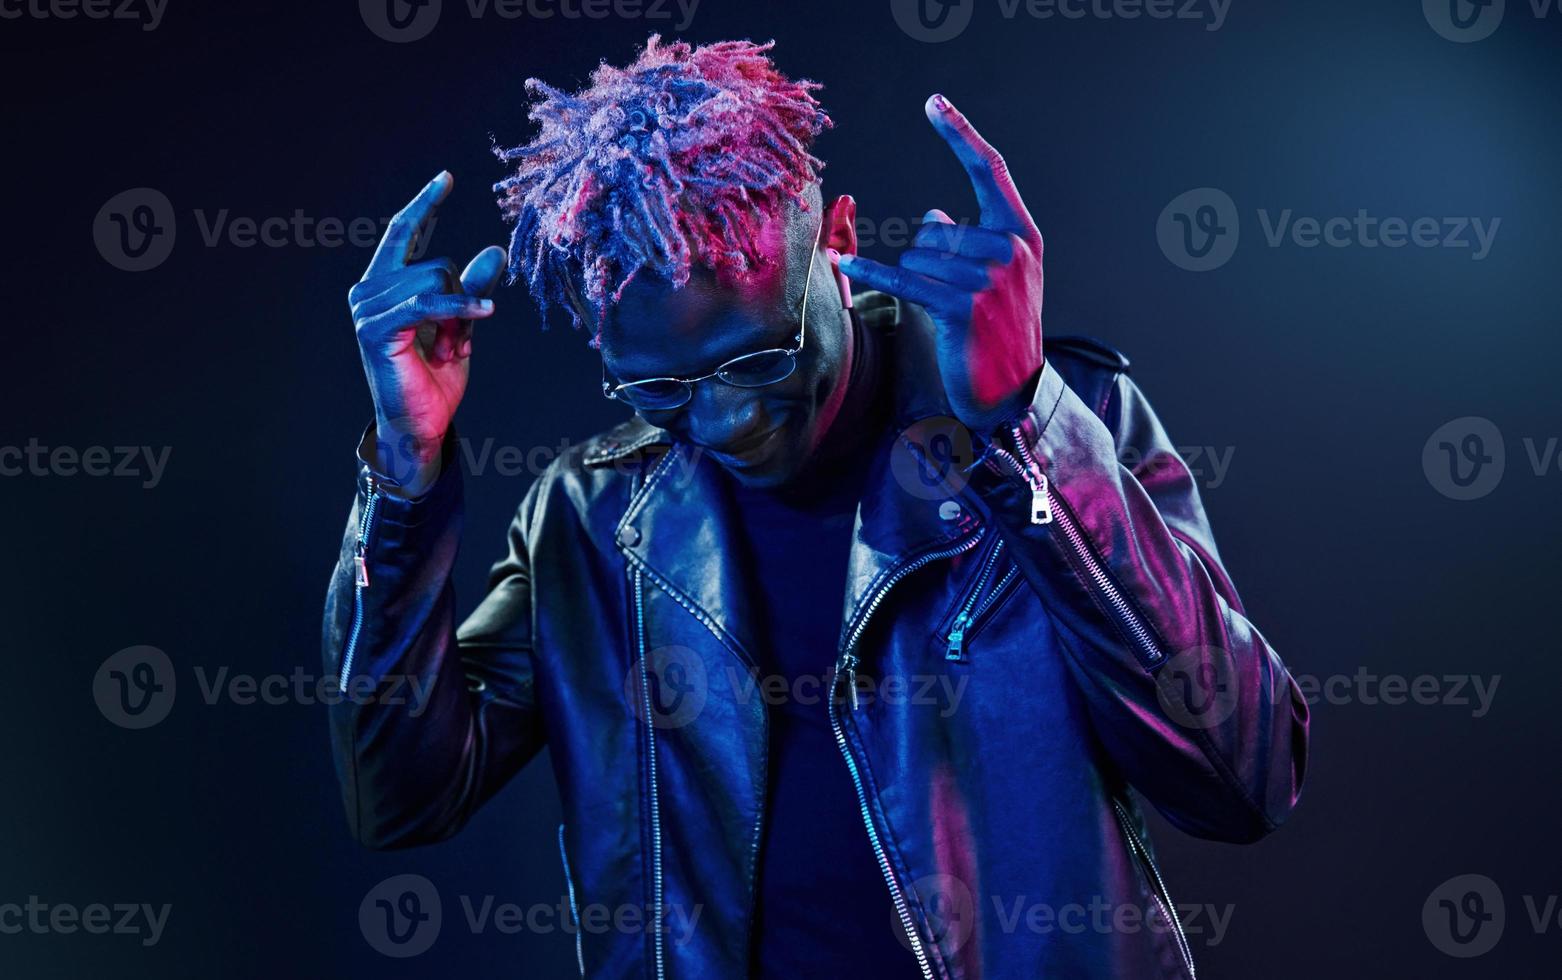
(967,240)
(482,273)
(377,295)
(426,308)
(906,284)
(478,280)
(404,228)
(957,270)
(996,194)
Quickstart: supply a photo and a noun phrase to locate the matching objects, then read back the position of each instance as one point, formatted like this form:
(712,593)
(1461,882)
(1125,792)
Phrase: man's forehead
(690,330)
(655,324)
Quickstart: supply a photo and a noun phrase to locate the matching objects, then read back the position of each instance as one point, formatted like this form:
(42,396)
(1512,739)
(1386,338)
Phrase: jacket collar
(680,523)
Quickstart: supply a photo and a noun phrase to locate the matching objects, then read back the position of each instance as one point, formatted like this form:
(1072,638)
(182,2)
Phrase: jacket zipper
(574,909)
(1162,896)
(971,611)
(656,813)
(848,664)
(360,578)
(1045,502)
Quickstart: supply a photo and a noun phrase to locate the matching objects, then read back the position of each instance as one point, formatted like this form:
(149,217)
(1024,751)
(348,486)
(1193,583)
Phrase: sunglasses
(752,370)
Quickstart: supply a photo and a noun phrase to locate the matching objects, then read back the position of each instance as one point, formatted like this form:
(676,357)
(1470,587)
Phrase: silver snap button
(629,536)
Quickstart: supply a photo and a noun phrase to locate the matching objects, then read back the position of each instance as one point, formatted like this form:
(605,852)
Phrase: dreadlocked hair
(676,159)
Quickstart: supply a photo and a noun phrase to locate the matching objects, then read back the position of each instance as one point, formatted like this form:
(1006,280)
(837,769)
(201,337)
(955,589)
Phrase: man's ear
(840,225)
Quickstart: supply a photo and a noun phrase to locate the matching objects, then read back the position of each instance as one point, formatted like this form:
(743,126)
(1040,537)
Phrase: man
(853,639)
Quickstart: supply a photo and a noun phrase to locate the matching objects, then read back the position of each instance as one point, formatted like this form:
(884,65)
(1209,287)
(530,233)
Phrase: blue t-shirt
(823,905)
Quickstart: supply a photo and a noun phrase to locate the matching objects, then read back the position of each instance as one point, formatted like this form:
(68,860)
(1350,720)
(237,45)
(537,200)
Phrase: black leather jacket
(1085,621)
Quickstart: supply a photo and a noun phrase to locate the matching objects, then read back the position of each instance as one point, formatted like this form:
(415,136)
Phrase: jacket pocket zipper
(1047,508)
(360,578)
(574,909)
(982,599)
(1158,887)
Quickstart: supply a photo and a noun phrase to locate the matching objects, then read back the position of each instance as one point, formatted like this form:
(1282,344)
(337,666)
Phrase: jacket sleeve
(1188,698)
(428,721)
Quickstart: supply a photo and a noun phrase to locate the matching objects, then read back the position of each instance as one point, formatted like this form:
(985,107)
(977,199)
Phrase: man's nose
(720,415)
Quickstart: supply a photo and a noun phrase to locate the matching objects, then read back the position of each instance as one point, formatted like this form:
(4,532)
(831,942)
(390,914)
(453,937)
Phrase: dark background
(1323,370)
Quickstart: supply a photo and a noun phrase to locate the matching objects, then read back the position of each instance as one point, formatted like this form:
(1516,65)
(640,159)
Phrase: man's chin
(772,475)
(778,464)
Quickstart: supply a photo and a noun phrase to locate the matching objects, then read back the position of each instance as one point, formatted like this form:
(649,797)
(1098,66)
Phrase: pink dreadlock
(676,159)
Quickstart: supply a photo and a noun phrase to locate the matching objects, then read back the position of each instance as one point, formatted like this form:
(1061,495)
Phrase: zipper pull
(957,640)
(1040,503)
(360,555)
(849,662)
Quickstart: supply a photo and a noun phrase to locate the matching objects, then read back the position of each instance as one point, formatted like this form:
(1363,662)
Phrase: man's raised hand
(981,285)
(414,327)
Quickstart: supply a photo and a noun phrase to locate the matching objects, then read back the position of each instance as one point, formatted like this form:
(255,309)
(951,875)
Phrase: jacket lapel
(681,529)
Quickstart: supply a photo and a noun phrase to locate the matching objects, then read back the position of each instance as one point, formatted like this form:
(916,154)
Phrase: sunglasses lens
(655,395)
(764,367)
